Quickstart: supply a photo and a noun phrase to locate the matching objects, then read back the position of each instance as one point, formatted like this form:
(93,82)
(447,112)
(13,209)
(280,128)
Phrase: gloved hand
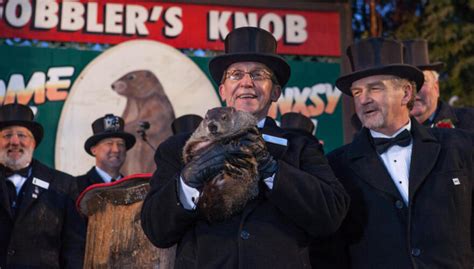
(207,165)
(267,165)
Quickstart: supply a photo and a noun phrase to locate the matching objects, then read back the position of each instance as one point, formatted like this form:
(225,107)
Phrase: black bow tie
(403,139)
(22,172)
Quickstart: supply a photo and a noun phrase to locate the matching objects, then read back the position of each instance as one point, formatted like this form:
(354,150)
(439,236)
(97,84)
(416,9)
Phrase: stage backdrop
(144,77)
(70,88)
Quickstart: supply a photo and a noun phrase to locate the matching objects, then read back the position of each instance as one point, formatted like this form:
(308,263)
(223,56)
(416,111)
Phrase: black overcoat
(90,178)
(273,231)
(434,231)
(47,231)
(462,118)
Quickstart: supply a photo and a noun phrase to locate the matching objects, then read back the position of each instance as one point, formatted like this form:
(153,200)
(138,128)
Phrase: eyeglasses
(21,136)
(255,75)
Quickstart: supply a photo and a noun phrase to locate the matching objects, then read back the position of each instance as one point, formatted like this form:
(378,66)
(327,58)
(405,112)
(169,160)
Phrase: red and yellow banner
(177,24)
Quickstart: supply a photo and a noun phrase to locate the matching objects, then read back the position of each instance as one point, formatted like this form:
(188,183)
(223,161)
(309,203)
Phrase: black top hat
(20,115)
(108,126)
(250,44)
(416,53)
(186,123)
(297,121)
(377,56)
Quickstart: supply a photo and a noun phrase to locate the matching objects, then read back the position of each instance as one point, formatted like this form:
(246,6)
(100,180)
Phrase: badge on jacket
(275,140)
(456,181)
(40,183)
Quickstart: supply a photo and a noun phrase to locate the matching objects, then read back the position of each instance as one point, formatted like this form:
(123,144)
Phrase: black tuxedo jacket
(434,230)
(462,118)
(47,231)
(273,231)
(91,177)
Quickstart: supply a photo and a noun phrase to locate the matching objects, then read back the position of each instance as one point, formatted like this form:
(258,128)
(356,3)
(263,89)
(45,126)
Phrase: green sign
(41,78)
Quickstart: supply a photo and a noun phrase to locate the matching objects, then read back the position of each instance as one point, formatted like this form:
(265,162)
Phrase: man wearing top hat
(108,144)
(410,186)
(428,109)
(39,224)
(299,197)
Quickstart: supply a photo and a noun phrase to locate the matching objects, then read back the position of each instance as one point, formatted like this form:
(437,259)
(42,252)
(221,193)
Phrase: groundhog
(229,191)
(146,101)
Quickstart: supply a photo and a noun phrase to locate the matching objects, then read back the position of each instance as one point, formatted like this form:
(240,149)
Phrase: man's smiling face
(247,94)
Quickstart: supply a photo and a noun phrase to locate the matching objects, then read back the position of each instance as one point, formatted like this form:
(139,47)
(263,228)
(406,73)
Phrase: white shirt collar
(380,135)
(261,123)
(105,177)
(18,181)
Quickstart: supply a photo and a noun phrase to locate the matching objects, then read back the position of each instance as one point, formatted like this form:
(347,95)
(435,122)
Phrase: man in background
(39,224)
(410,186)
(429,109)
(108,144)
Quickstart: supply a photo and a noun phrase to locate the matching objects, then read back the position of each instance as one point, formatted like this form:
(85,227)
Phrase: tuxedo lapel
(36,185)
(365,162)
(445,112)
(93,177)
(425,153)
(4,201)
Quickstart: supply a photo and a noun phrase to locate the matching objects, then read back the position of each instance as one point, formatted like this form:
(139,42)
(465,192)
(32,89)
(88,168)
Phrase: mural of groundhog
(229,191)
(146,101)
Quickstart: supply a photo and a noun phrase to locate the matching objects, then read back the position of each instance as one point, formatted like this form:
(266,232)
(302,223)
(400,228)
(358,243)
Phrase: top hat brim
(437,66)
(93,140)
(405,71)
(35,128)
(276,63)
(299,131)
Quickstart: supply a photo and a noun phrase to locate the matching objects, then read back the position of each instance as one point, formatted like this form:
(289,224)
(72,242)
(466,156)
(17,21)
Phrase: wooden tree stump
(115,238)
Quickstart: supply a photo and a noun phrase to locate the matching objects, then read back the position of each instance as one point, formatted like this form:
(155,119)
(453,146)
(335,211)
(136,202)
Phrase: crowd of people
(398,196)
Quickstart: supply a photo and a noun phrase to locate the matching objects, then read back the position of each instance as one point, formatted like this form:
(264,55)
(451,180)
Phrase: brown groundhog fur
(229,191)
(146,101)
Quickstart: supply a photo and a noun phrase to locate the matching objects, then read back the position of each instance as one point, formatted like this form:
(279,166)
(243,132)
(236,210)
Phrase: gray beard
(22,162)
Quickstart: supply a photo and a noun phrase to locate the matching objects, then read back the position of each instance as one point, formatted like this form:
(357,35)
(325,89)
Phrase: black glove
(207,165)
(267,166)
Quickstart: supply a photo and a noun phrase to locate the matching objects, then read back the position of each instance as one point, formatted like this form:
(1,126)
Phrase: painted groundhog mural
(146,101)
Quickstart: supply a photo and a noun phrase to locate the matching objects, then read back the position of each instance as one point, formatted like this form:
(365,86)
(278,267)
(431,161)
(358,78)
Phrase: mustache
(24,159)
(16,148)
(369,108)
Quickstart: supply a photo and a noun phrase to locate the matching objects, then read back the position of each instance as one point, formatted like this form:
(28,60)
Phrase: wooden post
(115,238)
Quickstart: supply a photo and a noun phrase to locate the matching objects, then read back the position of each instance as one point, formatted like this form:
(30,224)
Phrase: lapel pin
(456,181)
(35,192)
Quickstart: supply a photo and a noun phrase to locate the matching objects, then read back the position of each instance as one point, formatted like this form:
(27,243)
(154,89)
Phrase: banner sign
(68,89)
(179,25)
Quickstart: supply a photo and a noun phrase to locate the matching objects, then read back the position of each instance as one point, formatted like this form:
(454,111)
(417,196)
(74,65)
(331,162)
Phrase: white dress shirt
(189,196)
(105,177)
(397,161)
(18,181)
